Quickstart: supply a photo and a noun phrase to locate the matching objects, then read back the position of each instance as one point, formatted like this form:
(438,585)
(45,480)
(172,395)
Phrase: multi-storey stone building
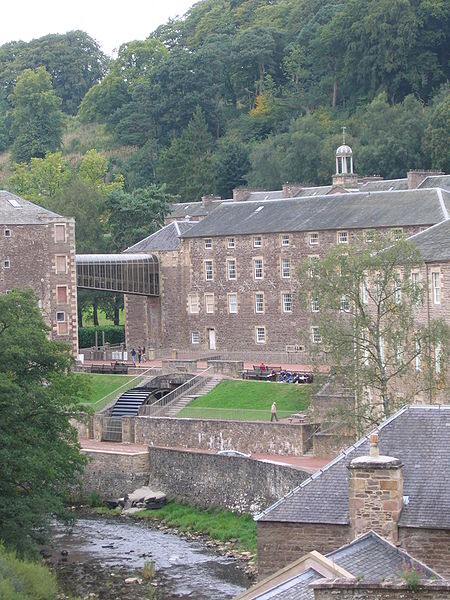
(37,251)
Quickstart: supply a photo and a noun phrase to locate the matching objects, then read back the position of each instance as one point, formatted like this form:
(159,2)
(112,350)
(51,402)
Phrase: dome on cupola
(344,150)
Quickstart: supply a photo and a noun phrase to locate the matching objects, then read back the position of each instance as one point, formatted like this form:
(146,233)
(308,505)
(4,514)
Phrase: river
(100,553)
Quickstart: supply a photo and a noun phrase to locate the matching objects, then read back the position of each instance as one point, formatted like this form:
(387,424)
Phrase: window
(7,232)
(61,316)
(285,268)
(312,265)
(259,302)
(342,237)
(232,303)
(208,270)
(193,304)
(286,298)
(381,345)
(315,335)
(437,357)
(231,268)
(61,323)
(195,337)
(397,234)
(260,335)
(313,238)
(258,268)
(418,358)
(414,280)
(436,284)
(61,263)
(61,294)
(6,264)
(314,304)
(399,350)
(369,236)
(230,243)
(365,343)
(285,240)
(209,304)
(364,291)
(60,233)
(257,241)
(397,289)
(344,306)
(208,244)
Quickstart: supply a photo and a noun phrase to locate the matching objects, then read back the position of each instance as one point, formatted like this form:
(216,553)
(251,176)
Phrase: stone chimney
(415,178)
(241,194)
(291,190)
(209,198)
(375,490)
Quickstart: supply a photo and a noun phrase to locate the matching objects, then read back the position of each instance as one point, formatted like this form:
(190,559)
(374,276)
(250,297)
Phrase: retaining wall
(350,590)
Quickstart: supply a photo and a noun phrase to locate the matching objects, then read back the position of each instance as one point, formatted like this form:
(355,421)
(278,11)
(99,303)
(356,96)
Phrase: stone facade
(351,590)
(431,546)
(41,256)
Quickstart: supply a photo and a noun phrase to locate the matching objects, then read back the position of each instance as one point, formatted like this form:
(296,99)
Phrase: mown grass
(24,580)
(88,318)
(249,400)
(102,385)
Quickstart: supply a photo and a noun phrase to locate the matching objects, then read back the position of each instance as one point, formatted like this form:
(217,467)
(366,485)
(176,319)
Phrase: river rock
(130,580)
(145,497)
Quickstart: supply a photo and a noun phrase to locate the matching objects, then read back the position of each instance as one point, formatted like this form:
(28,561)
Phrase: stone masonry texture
(341,590)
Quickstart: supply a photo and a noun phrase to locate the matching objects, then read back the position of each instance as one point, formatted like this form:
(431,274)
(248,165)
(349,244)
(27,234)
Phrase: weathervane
(343,134)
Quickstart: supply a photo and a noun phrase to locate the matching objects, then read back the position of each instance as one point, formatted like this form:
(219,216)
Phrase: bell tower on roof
(344,175)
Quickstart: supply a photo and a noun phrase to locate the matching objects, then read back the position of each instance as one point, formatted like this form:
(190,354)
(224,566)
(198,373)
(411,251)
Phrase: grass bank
(250,400)
(220,525)
(24,580)
(103,386)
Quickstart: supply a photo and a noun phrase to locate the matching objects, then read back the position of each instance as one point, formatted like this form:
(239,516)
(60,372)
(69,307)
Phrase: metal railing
(157,407)
(112,429)
(241,414)
(102,402)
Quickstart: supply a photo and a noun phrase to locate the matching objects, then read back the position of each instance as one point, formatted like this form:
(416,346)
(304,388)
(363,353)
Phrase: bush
(23,580)
(114,334)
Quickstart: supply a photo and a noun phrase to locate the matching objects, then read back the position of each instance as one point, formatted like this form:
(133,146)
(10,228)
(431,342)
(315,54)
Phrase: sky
(109,22)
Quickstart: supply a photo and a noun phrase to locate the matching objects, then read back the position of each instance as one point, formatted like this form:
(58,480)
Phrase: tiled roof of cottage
(434,242)
(166,238)
(436,181)
(342,211)
(18,211)
(370,557)
(420,437)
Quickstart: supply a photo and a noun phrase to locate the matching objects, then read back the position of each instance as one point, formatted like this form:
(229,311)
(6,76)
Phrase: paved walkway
(304,463)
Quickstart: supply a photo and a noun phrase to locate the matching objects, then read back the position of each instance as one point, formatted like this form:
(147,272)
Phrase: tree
(39,454)
(231,164)
(37,119)
(42,178)
(436,139)
(363,305)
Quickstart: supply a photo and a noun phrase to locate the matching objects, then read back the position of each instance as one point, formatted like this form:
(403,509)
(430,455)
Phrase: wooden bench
(114,368)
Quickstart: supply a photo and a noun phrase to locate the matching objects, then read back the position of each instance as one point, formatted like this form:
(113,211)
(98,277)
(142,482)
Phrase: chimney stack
(209,198)
(291,190)
(375,490)
(415,178)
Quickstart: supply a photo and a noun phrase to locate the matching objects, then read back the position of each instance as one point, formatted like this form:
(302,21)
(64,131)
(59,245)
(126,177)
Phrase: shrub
(23,580)
(114,334)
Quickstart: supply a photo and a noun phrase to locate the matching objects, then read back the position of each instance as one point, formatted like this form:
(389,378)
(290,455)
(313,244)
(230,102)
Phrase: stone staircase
(174,407)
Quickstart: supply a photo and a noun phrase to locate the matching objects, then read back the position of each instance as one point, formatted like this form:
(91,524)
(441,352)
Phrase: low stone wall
(236,483)
(83,424)
(342,589)
(112,474)
(229,368)
(179,366)
(330,444)
(259,437)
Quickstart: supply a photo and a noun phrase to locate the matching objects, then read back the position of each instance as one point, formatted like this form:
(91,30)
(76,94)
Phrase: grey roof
(434,242)
(89,259)
(18,211)
(181,210)
(370,556)
(265,195)
(341,211)
(420,437)
(314,191)
(440,181)
(384,185)
(166,238)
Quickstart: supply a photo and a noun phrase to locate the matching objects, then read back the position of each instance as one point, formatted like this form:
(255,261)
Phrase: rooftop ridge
(441,200)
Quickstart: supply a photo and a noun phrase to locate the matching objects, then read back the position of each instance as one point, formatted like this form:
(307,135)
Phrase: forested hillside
(238,92)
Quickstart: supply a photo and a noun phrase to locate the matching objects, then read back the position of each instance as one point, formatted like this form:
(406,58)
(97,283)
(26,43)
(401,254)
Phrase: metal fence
(240,414)
(112,429)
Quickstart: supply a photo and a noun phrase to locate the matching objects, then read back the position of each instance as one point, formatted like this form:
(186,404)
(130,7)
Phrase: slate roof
(420,437)
(166,238)
(370,556)
(181,210)
(436,181)
(18,211)
(385,185)
(434,242)
(341,211)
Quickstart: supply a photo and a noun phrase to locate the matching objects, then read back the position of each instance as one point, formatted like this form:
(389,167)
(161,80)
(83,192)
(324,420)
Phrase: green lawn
(88,320)
(102,385)
(249,400)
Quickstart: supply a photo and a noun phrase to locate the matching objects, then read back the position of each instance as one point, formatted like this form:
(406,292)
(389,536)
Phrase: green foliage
(42,178)
(39,453)
(231,164)
(24,580)
(437,135)
(114,334)
(37,118)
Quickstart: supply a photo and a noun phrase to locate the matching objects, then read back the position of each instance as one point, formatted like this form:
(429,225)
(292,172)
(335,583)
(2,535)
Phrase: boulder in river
(145,497)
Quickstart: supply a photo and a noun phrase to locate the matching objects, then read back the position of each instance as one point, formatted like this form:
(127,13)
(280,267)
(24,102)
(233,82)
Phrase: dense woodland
(237,92)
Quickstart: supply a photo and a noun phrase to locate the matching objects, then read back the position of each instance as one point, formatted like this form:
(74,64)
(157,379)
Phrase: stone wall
(113,474)
(281,543)
(229,368)
(236,483)
(330,444)
(431,546)
(246,436)
(350,590)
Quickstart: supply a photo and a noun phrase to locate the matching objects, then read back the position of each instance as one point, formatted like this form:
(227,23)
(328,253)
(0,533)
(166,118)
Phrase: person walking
(139,354)
(273,411)
(133,356)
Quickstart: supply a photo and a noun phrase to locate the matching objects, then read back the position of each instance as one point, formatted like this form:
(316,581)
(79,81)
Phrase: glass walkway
(128,273)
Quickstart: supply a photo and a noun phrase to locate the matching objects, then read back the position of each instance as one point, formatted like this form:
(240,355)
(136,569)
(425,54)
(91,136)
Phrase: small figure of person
(139,354)
(133,356)
(143,353)
(262,367)
(273,411)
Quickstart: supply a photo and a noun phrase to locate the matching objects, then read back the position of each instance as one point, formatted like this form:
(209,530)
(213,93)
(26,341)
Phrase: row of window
(60,263)
(260,335)
(232,300)
(60,232)
(258,269)
(313,237)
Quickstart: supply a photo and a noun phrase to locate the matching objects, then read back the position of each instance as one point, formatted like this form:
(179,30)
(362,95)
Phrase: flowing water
(100,553)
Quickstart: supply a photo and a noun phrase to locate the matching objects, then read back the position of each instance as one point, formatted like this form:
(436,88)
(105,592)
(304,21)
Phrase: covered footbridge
(128,273)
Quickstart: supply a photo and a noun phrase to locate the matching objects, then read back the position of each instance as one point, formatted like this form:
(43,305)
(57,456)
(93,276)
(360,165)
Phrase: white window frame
(397,234)
(286,302)
(257,241)
(208,243)
(232,305)
(369,236)
(344,305)
(285,241)
(206,264)
(261,294)
(436,286)
(285,268)
(382,351)
(209,303)
(364,295)
(342,237)
(231,243)
(313,258)
(195,337)
(260,339)
(257,269)
(316,338)
(7,233)
(418,357)
(414,280)
(231,261)
(314,238)
(63,225)
(314,304)
(193,304)
(7,263)
(397,288)
(437,357)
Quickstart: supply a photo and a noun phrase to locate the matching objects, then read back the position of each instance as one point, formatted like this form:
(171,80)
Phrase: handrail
(179,391)
(121,386)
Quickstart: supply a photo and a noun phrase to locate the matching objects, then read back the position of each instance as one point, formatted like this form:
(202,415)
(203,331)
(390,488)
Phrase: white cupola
(344,175)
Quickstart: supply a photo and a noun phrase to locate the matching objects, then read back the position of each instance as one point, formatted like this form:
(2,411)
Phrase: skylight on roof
(259,209)
(14,202)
